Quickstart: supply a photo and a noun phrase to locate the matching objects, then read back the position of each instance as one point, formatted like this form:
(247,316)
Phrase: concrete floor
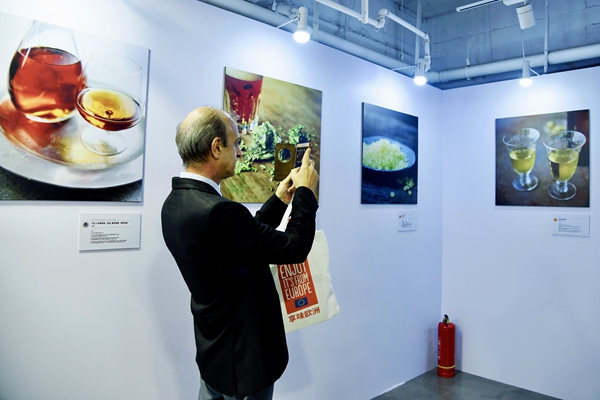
(463,386)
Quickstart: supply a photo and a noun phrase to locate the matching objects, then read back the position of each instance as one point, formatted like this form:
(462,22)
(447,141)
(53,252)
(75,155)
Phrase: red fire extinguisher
(446,344)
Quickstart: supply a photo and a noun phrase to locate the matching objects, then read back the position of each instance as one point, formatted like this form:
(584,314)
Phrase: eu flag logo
(302,302)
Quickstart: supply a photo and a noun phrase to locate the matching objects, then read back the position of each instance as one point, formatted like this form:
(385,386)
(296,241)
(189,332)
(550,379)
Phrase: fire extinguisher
(446,348)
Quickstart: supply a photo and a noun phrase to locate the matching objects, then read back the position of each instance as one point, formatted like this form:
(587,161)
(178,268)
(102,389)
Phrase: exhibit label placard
(109,231)
(571,225)
(407,221)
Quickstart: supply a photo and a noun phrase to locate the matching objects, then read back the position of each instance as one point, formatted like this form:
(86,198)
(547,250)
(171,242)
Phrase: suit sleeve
(246,240)
(271,212)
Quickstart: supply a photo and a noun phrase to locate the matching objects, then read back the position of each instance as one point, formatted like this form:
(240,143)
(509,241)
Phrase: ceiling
(482,45)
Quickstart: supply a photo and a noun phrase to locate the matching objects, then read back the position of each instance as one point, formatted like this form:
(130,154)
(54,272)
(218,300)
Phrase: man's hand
(306,175)
(285,190)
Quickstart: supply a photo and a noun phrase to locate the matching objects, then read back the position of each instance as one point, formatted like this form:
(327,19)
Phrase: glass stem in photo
(521,150)
(563,156)
(109,100)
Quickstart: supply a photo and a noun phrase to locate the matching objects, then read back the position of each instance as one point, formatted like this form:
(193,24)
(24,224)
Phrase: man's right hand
(306,174)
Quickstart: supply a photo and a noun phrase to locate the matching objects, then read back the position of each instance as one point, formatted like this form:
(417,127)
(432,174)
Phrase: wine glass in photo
(521,150)
(110,100)
(242,98)
(44,73)
(563,156)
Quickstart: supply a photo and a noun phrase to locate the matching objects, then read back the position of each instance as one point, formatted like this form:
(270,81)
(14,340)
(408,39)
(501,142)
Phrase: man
(223,253)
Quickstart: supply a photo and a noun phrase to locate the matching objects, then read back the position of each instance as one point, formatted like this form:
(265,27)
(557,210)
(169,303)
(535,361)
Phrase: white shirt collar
(191,175)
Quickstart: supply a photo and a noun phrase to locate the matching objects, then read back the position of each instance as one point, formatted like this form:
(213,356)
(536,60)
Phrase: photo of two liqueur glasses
(47,84)
(563,150)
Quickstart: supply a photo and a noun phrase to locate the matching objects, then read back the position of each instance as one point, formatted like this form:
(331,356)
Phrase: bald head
(197,131)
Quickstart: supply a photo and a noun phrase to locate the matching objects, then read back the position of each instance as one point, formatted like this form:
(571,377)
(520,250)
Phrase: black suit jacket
(224,253)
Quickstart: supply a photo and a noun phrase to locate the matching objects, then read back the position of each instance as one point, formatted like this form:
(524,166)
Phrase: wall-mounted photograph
(275,119)
(72,114)
(543,160)
(389,156)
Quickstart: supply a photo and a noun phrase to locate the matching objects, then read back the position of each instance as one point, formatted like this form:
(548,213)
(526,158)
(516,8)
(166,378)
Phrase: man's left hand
(285,190)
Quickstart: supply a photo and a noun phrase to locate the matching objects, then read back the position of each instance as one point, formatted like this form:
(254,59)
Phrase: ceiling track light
(525,15)
(301,34)
(525,80)
(526,77)
(419,78)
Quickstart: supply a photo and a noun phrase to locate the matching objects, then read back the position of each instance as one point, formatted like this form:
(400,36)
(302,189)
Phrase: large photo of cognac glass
(543,160)
(72,114)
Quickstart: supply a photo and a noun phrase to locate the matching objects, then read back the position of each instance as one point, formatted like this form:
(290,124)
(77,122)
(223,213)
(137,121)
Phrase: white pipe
(417,41)
(364,11)
(385,13)
(515,64)
(359,16)
(270,18)
(546,33)
(286,9)
(555,57)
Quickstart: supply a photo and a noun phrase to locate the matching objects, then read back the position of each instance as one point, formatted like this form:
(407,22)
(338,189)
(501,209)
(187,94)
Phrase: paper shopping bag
(305,291)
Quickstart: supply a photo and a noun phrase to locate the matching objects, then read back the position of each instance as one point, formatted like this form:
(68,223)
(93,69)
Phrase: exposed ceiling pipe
(555,57)
(546,33)
(385,13)
(285,9)
(417,41)
(362,16)
(268,17)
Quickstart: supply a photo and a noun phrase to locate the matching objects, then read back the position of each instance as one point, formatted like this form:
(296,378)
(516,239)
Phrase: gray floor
(462,386)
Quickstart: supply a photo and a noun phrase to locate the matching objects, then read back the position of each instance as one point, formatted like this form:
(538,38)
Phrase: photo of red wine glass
(109,99)
(241,98)
(44,73)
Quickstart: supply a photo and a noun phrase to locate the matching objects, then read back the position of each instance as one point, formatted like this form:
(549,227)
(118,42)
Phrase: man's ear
(216,147)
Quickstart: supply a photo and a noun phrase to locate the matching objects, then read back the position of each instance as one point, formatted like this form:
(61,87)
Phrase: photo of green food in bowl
(389,156)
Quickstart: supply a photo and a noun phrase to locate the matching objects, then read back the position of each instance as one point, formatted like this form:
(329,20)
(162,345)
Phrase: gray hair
(197,131)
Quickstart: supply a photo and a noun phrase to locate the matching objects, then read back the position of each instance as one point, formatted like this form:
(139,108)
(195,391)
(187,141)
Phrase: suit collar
(201,178)
(187,183)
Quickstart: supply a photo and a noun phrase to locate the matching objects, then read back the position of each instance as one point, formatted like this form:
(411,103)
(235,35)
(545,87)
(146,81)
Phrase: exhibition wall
(116,324)
(524,300)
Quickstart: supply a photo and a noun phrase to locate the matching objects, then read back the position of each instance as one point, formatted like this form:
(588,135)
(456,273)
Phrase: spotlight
(301,35)
(526,79)
(419,78)
(526,18)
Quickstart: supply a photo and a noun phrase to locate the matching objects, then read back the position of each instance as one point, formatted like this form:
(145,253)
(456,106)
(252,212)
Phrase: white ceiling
(482,45)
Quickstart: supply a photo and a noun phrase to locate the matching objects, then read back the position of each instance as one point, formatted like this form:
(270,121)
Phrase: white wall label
(571,225)
(106,231)
(407,221)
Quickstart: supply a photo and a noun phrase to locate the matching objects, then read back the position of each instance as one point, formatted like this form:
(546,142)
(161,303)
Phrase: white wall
(525,301)
(116,325)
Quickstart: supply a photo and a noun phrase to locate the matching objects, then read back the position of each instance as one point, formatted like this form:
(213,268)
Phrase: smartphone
(300,150)
(284,160)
